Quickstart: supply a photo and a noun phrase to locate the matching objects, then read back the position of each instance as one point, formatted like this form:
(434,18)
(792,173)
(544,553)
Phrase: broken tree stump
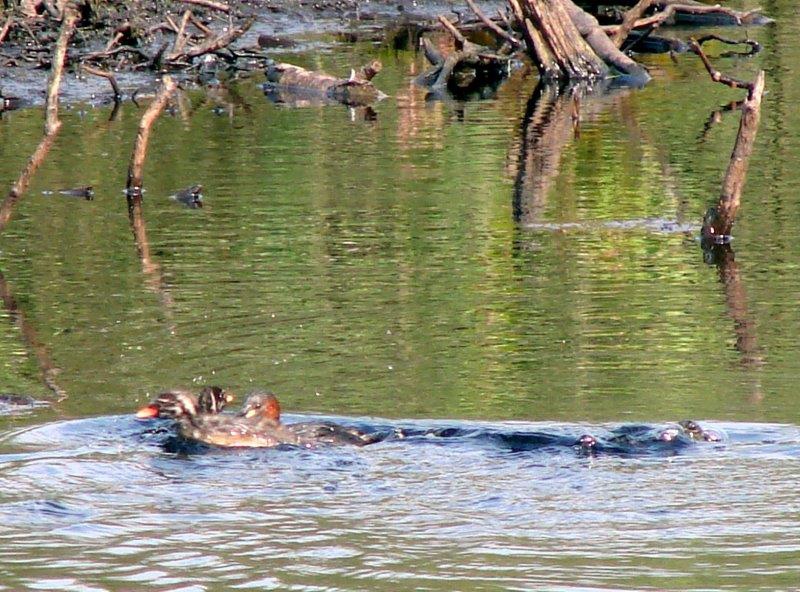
(554,43)
(355,90)
(567,43)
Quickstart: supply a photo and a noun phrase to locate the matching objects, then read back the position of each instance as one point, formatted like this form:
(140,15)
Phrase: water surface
(438,263)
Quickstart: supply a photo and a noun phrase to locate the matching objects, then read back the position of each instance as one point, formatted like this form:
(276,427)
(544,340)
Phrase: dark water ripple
(465,508)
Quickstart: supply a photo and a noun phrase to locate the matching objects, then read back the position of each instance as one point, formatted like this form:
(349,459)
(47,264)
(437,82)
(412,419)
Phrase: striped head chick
(175,404)
(213,399)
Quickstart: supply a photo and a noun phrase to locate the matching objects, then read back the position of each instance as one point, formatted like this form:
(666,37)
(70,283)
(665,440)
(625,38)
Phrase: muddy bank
(139,42)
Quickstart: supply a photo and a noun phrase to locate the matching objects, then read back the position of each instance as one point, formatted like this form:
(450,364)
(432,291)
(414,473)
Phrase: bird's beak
(229,397)
(147,412)
(249,413)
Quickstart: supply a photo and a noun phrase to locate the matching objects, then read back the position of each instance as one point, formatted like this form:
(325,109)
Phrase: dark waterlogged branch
(754,46)
(718,221)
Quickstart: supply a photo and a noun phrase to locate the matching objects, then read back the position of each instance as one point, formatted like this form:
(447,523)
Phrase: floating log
(355,90)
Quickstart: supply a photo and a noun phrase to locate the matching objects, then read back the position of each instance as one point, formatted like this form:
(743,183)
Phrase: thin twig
(196,22)
(180,38)
(99,55)
(459,38)
(715,74)
(108,76)
(492,26)
(172,23)
(502,16)
(30,33)
(628,22)
(213,44)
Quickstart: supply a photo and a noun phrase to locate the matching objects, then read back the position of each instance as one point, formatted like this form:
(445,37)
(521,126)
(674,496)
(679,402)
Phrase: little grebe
(213,428)
(264,408)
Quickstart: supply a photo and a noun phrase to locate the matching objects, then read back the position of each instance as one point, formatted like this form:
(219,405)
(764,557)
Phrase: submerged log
(355,90)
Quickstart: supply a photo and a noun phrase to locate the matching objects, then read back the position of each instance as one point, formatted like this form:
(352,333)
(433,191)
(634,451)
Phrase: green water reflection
(375,267)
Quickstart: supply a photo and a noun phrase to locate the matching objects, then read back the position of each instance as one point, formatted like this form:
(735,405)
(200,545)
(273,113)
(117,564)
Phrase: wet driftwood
(355,90)
(471,68)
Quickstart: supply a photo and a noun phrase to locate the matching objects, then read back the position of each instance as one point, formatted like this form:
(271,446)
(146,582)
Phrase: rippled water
(432,265)
(97,504)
